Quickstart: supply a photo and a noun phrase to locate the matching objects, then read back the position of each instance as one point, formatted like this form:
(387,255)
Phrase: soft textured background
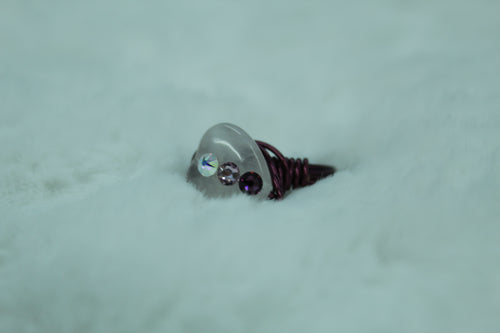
(102,104)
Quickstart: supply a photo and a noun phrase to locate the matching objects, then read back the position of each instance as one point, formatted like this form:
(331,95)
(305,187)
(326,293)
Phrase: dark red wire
(287,173)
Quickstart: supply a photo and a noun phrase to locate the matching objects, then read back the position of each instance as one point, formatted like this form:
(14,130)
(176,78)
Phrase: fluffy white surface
(102,104)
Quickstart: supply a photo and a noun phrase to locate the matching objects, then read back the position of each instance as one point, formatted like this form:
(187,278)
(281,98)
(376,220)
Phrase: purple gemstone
(250,183)
(228,173)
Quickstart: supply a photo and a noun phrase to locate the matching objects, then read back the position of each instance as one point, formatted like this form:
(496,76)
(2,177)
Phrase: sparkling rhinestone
(228,173)
(250,183)
(208,164)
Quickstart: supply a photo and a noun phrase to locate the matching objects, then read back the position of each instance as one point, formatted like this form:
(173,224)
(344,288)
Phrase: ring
(229,161)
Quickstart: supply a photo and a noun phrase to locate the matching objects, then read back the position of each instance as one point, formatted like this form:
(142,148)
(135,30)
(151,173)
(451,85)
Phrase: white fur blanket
(102,104)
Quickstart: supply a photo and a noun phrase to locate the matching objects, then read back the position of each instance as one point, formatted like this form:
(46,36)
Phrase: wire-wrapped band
(287,173)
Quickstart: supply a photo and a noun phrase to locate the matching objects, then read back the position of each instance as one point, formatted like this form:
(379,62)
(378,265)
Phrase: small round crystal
(208,164)
(228,173)
(250,183)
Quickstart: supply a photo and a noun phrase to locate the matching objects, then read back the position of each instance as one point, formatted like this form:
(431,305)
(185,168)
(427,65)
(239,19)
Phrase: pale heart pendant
(233,152)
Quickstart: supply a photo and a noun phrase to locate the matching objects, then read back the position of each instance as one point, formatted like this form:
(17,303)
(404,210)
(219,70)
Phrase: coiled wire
(288,173)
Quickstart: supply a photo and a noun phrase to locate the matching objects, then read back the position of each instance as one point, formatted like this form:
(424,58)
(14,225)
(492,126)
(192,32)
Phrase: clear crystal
(228,173)
(208,164)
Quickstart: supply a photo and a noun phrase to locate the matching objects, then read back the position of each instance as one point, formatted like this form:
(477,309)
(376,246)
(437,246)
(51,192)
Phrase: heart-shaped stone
(229,161)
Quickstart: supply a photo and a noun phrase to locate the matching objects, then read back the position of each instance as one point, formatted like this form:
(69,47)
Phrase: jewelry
(229,161)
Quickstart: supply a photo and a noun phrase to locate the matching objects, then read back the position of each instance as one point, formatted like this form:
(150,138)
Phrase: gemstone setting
(228,173)
(229,143)
(250,183)
(208,164)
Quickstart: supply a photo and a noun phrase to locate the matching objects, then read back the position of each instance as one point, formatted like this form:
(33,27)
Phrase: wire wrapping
(288,173)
